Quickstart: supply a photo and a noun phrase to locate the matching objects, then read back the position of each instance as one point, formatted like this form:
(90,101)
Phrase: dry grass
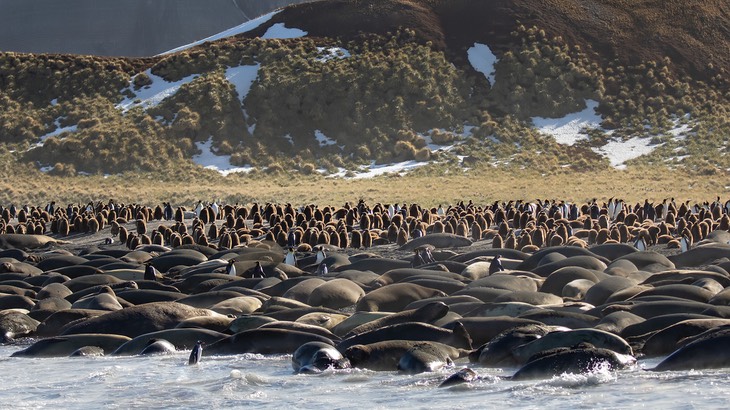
(481,186)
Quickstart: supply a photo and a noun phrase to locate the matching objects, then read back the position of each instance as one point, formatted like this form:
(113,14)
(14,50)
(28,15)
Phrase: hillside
(344,86)
(119,28)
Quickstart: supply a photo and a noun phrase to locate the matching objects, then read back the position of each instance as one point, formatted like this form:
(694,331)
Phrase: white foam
(569,129)
(221,163)
(240,29)
(155,93)
(483,60)
(280,31)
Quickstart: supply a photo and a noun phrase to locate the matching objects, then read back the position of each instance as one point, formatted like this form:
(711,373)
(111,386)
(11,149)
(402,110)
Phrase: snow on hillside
(483,60)
(242,77)
(221,163)
(240,29)
(618,152)
(153,94)
(569,129)
(278,30)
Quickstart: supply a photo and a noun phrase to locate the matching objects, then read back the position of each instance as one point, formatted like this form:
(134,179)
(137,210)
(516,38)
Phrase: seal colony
(541,288)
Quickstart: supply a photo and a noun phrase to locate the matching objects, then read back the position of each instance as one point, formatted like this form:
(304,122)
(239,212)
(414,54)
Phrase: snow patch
(618,152)
(323,139)
(569,129)
(331,53)
(242,78)
(153,94)
(483,60)
(221,163)
(376,170)
(280,31)
(240,29)
(59,131)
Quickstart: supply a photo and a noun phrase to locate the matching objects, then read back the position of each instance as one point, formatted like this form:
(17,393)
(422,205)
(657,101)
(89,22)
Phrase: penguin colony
(542,286)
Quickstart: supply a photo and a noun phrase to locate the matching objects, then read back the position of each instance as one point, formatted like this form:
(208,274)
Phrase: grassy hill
(340,84)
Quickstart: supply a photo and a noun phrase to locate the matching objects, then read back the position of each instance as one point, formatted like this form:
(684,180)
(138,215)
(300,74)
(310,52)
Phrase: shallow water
(268,382)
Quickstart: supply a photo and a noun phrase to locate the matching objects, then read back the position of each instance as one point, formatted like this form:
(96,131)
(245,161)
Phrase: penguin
(258,271)
(426,256)
(322,269)
(150,273)
(231,268)
(685,243)
(108,241)
(496,265)
(291,259)
(291,239)
(417,260)
(640,243)
(196,353)
(320,256)
(198,209)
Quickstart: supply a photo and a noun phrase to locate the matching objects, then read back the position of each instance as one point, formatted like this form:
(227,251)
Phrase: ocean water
(161,382)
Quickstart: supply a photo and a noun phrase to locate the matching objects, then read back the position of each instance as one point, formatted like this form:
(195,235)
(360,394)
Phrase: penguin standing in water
(496,265)
(196,354)
(231,268)
(150,273)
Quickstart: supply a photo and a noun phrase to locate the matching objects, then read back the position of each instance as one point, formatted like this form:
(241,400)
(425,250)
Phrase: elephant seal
(483,329)
(395,297)
(264,341)
(437,240)
(16,324)
(596,338)
(708,352)
(105,299)
(138,320)
(425,314)
(465,375)
(88,351)
(424,357)
(336,294)
(181,339)
(499,352)
(315,357)
(158,347)
(60,346)
(665,341)
(458,337)
(385,355)
(578,360)
(26,242)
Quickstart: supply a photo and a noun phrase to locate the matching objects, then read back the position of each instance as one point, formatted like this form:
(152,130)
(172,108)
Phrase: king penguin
(150,273)
(320,256)
(291,259)
(231,268)
(496,265)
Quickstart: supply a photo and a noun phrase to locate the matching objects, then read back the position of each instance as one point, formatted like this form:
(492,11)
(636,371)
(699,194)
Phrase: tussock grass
(483,185)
